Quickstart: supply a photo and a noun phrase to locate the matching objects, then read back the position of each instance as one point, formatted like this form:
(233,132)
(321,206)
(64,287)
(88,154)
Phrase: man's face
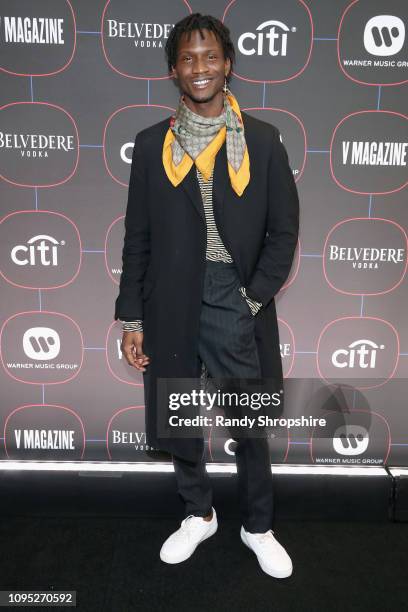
(200,66)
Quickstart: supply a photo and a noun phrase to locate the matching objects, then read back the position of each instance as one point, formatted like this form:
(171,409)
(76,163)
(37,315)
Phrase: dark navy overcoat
(164,256)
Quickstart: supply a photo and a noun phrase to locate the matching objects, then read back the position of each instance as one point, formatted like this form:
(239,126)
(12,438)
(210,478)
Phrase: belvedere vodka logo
(365,256)
(151,35)
(36,144)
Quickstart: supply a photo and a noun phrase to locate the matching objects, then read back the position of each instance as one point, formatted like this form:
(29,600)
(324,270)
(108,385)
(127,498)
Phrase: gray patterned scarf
(193,133)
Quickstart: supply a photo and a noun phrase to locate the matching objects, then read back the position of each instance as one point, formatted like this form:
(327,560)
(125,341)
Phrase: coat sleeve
(276,257)
(136,247)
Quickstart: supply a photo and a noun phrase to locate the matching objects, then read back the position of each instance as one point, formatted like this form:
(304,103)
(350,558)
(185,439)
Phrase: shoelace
(186,525)
(268,536)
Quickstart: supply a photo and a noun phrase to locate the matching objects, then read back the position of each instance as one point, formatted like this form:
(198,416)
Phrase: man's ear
(173,73)
(227,66)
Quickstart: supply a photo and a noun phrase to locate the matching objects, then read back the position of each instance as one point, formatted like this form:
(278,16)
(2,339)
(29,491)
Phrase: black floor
(113,564)
(102,536)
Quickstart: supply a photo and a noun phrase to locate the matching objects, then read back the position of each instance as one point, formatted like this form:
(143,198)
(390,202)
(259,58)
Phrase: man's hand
(132,349)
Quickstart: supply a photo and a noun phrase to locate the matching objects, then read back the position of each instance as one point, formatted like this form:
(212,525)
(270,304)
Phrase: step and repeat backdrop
(78,80)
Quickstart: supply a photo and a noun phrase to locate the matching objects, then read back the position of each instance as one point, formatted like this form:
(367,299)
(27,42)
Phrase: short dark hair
(199,22)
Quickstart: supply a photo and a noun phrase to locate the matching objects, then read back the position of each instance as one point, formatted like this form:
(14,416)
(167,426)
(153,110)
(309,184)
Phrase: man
(211,229)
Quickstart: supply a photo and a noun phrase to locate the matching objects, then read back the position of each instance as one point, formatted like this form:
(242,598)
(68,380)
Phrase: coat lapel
(220,179)
(192,188)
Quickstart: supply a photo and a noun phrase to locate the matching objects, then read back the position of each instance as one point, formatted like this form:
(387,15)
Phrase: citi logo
(350,440)
(229,446)
(40,250)
(126,151)
(41,343)
(359,354)
(276,32)
(384,35)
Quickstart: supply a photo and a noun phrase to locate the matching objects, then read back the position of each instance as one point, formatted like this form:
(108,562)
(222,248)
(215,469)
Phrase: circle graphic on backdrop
(44,432)
(357,437)
(126,435)
(116,362)
(41,347)
(273,41)
(368,152)
(372,46)
(40,144)
(292,134)
(118,143)
(36,38)
(47,253)
(365,256)
(358,349)
(133,35)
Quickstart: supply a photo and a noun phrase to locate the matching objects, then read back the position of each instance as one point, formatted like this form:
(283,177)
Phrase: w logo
(350,440)
(384,35)
(41,343)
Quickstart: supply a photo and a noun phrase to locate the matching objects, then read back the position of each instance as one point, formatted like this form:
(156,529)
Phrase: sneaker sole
(174,560)
(266,569)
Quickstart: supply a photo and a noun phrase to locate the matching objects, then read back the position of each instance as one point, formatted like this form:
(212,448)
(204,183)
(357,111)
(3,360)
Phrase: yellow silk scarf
(206,159)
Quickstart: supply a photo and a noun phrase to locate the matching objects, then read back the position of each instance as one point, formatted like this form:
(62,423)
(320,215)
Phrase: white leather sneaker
(181,544)
(272,557)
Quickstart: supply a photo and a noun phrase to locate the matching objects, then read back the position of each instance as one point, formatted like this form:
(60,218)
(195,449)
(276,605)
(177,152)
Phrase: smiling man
(211,229)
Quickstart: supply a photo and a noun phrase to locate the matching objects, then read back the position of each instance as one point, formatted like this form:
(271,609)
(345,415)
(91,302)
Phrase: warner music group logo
(351,440)
(372,49)
(359,437)
(384,35)
(41,344)
(47,351)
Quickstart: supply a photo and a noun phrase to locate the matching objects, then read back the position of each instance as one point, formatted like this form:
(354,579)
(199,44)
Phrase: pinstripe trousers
(228,349)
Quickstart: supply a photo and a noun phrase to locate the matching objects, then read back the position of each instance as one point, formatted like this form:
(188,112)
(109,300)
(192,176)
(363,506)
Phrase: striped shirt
(215,250)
